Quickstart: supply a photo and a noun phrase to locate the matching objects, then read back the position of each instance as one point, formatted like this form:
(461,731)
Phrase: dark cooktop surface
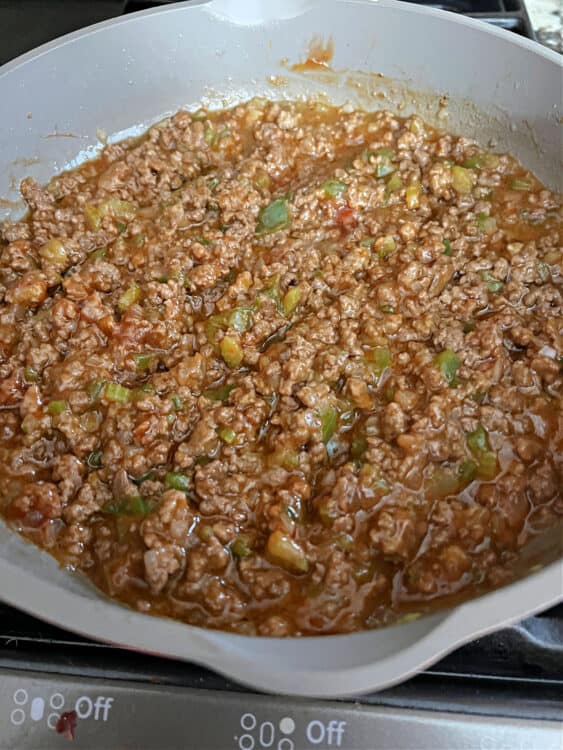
(501,692)
(25,24)
(517,671)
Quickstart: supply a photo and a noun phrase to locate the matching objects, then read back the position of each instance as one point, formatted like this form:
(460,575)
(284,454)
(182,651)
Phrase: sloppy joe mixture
(286,369)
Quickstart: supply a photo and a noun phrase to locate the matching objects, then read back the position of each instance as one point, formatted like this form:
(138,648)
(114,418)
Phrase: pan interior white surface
(122,75)
(132,72)
(323,666)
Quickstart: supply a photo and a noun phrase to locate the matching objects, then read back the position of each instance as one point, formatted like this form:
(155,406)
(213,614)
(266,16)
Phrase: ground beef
(285,369)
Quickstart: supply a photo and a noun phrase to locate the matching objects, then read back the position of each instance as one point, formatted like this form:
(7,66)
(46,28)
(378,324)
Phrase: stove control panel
(45,712)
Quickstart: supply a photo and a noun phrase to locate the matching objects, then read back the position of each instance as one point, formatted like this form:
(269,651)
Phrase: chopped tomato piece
(346,217)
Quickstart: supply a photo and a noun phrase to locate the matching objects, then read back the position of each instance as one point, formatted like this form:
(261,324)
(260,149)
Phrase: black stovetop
(25,24)
(516,672)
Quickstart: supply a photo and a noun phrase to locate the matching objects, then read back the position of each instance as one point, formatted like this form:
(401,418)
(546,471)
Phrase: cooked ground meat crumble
(286,369)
